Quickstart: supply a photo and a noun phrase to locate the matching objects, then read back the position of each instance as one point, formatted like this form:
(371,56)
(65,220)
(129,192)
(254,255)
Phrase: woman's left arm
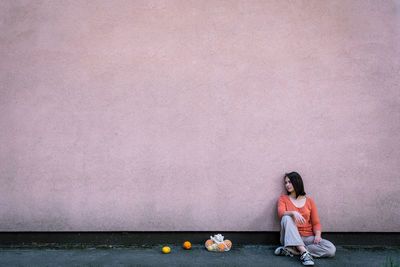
(315,223)
(317,237)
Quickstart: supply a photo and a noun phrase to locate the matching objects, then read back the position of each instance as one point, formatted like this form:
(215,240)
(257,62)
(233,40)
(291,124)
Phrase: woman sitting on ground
(300,226)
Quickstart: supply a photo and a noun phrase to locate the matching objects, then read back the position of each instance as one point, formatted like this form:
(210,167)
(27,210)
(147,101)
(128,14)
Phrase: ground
(197,256)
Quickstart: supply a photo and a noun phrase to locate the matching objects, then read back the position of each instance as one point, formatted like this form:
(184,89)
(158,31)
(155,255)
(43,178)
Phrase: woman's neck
(293,195)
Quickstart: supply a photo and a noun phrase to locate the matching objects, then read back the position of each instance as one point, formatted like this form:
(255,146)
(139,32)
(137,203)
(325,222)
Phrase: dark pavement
(197,256)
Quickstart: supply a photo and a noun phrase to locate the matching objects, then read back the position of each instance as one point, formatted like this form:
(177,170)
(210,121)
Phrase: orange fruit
(209,242)
(221,247)
(166,250)
(187,245)
(228,243)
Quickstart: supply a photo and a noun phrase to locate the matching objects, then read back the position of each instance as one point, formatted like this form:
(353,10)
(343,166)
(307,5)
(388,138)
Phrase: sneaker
(282,251)
(306,259)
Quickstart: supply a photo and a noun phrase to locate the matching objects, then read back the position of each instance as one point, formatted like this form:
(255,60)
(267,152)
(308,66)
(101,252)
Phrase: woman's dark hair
(297,183)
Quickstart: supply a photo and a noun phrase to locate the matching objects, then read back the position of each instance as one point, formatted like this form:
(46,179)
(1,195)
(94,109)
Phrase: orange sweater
(308,211)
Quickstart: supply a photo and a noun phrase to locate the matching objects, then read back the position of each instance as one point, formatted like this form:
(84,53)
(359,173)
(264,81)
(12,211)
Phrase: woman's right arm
(281,207)
(298,218)
(294,214)
(288,213)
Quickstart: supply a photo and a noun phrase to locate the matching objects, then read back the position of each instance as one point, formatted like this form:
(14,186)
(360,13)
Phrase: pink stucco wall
(183,115)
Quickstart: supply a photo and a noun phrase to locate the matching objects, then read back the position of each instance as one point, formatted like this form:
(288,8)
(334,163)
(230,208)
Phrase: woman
(300,227)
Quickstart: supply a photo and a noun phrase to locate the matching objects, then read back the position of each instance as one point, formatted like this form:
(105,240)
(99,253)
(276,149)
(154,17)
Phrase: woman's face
(288,185)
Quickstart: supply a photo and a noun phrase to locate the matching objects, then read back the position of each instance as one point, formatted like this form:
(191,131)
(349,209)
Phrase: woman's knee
(286,218)
(331,251)
(325,249)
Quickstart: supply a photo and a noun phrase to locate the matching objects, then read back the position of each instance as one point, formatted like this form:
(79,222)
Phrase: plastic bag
(217,243)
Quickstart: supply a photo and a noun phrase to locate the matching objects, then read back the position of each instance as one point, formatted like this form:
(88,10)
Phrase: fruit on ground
(213,247)
(228,243)
(187,245)
(166,250)
(221,247)
(209,242)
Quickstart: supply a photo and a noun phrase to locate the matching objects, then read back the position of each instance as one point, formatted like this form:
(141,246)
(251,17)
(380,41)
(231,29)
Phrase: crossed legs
(291,240)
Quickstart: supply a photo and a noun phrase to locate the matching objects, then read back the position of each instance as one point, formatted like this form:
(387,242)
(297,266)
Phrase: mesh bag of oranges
(217,243)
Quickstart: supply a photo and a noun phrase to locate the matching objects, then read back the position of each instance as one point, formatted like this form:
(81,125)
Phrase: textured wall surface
(184,115)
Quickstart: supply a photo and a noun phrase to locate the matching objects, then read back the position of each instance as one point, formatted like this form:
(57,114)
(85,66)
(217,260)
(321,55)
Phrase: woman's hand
(298,218)
(317,238)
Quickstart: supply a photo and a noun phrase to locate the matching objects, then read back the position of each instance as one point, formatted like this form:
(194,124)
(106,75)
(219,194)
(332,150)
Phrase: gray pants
(290,237)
